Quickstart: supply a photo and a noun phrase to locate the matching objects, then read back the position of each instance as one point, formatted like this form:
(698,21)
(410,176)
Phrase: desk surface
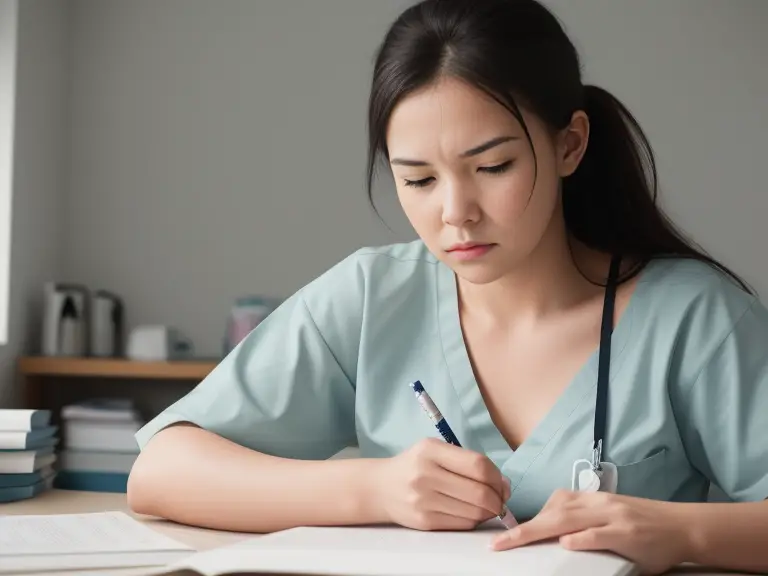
(69,501)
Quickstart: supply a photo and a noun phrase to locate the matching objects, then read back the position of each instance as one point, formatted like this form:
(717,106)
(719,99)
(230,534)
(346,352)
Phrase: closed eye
(497,169)
(419,183)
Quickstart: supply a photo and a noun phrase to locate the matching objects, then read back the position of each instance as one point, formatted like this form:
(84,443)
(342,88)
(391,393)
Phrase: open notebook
(82,541)
(391,551)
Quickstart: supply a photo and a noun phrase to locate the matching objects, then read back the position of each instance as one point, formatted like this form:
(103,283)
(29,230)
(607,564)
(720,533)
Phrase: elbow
(141,487)
(153,479)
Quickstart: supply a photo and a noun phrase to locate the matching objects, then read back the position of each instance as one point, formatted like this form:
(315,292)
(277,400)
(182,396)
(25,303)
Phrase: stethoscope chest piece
(586,478)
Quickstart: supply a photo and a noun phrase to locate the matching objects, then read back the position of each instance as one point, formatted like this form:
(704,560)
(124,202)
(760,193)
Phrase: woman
(563,327)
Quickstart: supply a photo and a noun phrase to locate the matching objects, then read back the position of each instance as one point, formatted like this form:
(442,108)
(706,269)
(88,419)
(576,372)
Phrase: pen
(506,517)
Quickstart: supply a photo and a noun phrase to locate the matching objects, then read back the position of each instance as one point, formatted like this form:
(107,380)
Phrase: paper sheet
(93,533)
(392,551)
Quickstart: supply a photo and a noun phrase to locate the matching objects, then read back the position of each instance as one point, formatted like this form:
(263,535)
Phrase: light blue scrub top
(331,367)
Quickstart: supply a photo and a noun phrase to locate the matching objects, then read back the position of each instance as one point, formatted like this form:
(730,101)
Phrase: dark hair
(517,49)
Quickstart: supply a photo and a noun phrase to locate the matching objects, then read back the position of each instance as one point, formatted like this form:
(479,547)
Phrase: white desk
(70,501)
(67,501)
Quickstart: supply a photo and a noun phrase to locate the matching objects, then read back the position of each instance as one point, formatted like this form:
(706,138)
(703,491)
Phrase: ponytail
(610,201)
(518,50)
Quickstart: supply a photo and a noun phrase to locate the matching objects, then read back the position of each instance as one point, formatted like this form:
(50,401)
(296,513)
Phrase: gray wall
(218,147)
(218,150)
(204,149)
(39,171)
(693,72)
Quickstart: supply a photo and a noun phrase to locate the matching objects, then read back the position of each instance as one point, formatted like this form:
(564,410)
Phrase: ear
(572,144)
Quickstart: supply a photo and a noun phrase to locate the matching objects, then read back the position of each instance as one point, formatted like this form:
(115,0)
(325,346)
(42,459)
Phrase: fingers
(468,492)
(453,506)
(471,465)
(560,498)
(550,524)
(602,538)
(432,521)
(507,488)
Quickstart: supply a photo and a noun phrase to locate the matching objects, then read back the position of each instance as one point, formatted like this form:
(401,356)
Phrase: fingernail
(507,536)
(497,542)
(504,539)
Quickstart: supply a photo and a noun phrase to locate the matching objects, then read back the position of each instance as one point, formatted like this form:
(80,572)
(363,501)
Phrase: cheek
(522,200)
(421,210)
(509,197)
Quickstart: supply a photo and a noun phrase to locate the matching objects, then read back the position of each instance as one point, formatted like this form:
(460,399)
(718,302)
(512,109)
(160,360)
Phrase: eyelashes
(418,183)
(497,169)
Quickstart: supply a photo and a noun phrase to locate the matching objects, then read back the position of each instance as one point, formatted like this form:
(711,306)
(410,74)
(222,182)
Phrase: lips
(468,246)
(470,250)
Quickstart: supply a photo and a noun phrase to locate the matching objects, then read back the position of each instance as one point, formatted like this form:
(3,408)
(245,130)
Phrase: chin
(477,274)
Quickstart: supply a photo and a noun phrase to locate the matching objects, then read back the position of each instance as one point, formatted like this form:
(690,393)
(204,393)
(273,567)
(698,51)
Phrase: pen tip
(417,387)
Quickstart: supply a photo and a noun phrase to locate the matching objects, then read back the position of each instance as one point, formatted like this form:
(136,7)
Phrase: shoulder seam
(322,337)
(689,390)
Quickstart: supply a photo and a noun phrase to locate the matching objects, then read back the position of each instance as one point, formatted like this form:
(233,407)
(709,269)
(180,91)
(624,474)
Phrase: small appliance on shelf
(157,343)
(78,322)
(64,319)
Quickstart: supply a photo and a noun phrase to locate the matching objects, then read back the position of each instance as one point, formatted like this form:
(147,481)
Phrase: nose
(460,204)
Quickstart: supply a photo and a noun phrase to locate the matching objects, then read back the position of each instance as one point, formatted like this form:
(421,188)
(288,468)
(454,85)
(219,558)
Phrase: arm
(247,448)
(192,476)
(733,536)
(725,433)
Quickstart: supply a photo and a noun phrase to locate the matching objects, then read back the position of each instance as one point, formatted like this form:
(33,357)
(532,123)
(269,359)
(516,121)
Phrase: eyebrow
(484,147)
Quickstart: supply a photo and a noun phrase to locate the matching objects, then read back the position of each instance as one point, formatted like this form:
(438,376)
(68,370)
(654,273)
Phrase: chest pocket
(646,478)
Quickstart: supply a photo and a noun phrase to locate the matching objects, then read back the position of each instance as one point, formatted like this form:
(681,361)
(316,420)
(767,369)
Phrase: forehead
(449,116)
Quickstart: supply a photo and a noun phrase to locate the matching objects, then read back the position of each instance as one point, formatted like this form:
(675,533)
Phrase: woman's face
(465,175)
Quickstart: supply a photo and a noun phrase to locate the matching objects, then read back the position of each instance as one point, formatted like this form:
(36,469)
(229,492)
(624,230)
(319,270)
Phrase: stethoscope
(594,474)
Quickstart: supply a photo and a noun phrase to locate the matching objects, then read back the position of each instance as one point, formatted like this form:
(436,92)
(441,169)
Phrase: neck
(545,283)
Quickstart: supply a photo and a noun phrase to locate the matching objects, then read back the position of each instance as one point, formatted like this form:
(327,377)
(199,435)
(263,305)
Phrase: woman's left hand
(651,533)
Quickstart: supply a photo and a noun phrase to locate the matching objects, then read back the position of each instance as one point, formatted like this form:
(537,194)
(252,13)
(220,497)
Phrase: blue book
(15,493)
(92,481)
(28,439)
(22,480)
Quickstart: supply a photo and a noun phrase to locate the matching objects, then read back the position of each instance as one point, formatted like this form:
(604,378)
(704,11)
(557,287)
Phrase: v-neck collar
(515,463)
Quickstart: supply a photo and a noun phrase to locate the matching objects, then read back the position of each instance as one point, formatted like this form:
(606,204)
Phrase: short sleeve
(725,428)
(283,390)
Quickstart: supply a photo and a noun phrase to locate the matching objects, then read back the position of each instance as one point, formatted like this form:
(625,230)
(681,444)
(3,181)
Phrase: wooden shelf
(114,368)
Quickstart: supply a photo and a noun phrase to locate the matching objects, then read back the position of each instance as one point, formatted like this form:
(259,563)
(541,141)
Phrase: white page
(92,533)
(393,551)
(18,420)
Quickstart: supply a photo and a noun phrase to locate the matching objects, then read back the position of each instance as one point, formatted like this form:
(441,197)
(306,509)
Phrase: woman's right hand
(437,486)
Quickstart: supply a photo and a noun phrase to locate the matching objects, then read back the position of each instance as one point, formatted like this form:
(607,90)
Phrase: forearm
(731,536)
(192,476)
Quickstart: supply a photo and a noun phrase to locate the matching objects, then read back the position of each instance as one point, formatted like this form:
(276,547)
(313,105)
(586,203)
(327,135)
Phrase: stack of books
(99,445)
(27,453)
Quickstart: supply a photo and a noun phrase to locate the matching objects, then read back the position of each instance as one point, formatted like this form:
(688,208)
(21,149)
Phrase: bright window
(8,27)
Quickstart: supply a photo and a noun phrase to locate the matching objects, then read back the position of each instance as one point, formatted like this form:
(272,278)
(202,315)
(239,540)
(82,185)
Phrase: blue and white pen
(506,517)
